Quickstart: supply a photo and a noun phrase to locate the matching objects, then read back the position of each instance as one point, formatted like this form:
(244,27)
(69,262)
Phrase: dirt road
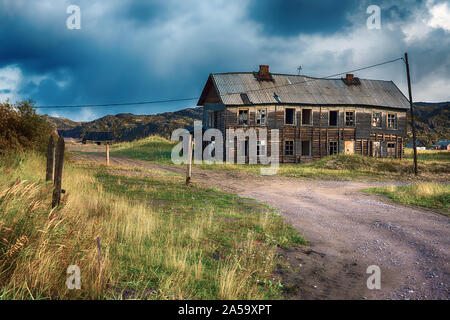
(347,231)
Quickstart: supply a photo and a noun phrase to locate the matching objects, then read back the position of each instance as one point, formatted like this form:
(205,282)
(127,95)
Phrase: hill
(432,122)
(127,126)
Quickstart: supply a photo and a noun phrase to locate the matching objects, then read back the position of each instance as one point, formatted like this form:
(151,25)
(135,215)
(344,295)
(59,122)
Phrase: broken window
(261,148)
(333,147)
(243,117)
(349,118)
(333,118)
(289,148)
(390,152)
(306,116)
(306,147)
(376,119)
(261,117)
(289,116)
(392,121)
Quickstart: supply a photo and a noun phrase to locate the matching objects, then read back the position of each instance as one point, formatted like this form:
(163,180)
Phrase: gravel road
(347,231)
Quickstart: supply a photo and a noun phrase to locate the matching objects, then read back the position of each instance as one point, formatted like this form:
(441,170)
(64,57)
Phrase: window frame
(310,117)
(381,120)
(259,146)
(337,118)
(293,117)
(293,151)
(265,118)
(309,149)
(248,117)
(336,148)
(354,118)
(387,120)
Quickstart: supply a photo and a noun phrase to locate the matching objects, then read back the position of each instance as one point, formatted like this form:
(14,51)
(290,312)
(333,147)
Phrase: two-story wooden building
(315,117)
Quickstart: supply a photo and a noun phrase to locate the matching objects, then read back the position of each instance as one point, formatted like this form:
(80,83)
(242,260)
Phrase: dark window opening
(290,115)
(246,148)
(245,98)
(261,116)
(306,116)
(243,117)
(306,148)
(349,118)
(333,118)
(333,147)
(289,148)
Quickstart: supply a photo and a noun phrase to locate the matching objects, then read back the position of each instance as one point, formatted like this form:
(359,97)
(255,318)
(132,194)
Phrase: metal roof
(296,89)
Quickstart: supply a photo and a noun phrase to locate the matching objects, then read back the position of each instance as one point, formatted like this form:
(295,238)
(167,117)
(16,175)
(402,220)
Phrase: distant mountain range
(432,123)
(127,126)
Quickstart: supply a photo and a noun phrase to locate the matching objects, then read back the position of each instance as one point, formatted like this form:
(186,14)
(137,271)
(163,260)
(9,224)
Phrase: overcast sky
(138,50)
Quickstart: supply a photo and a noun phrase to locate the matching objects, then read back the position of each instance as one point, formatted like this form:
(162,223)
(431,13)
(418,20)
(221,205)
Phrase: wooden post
(411,109)
(58,172)
(50,173)
(189,161)
(99,248)
(107,154)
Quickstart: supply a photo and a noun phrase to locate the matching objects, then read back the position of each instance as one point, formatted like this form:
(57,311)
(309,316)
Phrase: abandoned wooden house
(315,117)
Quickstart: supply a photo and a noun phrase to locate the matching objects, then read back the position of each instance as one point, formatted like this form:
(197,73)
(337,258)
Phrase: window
(333,121)
(289,148)
(390,152)
(306,116)
(349,118)
(333,147)
(306,148)
(261,148)
(246,148)
(392,121)
(376,119)
(261,117)
(210,119)
(289,116)
(243,117)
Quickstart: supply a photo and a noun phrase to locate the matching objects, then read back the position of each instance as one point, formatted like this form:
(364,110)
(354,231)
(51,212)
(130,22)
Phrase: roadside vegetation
(433,164)
(423,194)
(159,238)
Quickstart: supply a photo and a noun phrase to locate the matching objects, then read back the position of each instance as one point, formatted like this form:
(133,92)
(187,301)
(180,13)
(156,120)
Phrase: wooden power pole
(413,125)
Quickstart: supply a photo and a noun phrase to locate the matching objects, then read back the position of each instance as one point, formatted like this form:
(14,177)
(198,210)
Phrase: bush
(21,128)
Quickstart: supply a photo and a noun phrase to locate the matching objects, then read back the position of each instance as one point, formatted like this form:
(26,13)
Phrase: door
(350,147)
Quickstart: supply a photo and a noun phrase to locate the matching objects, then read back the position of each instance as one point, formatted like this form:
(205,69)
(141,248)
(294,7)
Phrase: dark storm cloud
(290,17)
(133,50)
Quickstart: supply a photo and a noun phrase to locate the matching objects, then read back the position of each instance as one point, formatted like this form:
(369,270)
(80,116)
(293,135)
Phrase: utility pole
(412,115)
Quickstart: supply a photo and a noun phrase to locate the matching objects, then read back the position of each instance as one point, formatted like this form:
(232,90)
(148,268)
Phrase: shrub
(21,128)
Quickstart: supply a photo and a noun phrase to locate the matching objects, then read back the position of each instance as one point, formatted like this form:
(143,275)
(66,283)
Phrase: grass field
(159,238)
(433,165)
(424,194)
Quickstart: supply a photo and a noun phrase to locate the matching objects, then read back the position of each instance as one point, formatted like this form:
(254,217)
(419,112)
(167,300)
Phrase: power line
(196,98)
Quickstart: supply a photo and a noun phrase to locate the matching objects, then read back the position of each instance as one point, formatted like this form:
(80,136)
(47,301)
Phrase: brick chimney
(264,72)
(349,77)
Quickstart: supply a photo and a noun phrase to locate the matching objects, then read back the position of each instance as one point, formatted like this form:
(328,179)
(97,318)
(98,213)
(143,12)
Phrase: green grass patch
(428,195)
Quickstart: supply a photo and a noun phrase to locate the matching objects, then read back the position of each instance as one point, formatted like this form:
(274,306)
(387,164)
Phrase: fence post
(189,161)
(50,173)
(58,172)
(107,154)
